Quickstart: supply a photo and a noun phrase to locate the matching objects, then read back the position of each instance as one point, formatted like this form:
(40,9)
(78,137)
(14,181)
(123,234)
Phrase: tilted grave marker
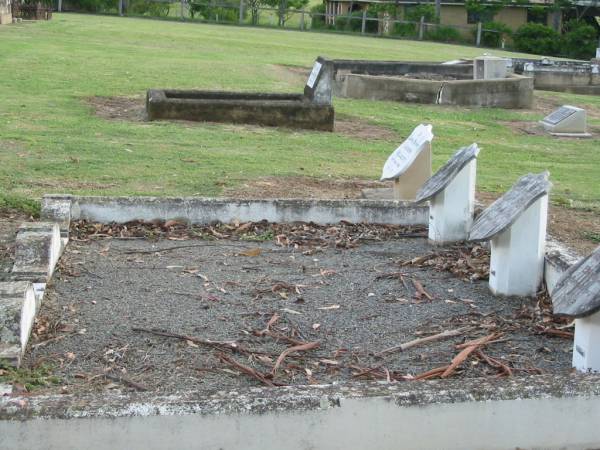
(319,84)
(451,192)
(567,121)
(577,295)
(516,226)
(409,166)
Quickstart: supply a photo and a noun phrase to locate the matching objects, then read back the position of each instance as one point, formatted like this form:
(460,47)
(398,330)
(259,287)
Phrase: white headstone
(489,68)
(598,53)
(314,74)
(451,195)
(516,226)
(566,120)
(404,156)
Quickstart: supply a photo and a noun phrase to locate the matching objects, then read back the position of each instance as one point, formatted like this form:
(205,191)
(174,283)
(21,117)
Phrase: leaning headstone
(489,68)
(17,313)
(37,249)
(516,226)
(319,84)
(566,121)
(409,166)
(451,195)
(577,295)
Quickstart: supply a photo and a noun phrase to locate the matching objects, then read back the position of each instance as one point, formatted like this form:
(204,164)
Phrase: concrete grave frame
(312,110)
(350,415)
(576,77)
(391,81)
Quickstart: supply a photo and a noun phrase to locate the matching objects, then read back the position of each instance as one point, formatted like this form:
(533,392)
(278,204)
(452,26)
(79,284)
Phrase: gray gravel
(104,288)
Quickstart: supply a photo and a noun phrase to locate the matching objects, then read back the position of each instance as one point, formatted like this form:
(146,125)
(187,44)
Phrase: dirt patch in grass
(118,108)
(300,187)
(359,129)
(293,75)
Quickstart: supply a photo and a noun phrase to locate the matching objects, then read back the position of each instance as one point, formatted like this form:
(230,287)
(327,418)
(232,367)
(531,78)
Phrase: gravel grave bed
(169,312)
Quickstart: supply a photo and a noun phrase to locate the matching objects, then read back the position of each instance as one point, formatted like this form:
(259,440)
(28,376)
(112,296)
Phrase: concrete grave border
(428,414)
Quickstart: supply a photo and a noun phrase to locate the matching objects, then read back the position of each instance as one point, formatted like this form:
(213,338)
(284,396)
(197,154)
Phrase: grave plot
(310,110)
(483,82)
(220,308)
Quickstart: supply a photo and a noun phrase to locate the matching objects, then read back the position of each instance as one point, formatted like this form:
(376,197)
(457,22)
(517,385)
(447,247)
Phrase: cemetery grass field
(52,141)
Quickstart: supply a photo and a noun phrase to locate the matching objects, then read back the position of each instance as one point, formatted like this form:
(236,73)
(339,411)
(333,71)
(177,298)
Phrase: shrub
(148,8)
(318,21)
(443,34)
(209,12)
(93,6)
(537,38)
(354,23)
(492,33)
(579,41)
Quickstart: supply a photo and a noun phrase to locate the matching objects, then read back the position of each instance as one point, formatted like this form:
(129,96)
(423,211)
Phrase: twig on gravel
(431,373)
(53,339)
(229,345)
(555,332)
(435,337)
(297,348)
(469,347)
(176,247)
(420,290)
(247,370)
(127,381)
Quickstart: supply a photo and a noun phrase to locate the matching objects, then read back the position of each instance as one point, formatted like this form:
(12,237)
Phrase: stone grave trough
(311,110)
(434,83)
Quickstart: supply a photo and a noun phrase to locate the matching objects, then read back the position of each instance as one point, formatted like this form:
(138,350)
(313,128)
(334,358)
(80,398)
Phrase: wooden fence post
(363,26)
(181,12)
(302,19)
(421,27)
(478,41)
(120,7)
(241,12)
(59,6)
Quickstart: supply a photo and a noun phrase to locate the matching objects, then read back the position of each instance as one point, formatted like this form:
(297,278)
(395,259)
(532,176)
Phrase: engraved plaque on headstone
(314,74)
(577,293)
(566,120)
(559,115)
(503,212)
(401,159)
(447,172)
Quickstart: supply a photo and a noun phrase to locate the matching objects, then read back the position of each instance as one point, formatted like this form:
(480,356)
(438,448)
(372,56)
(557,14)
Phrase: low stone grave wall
(561,76)
(429,83)
(540,412)
(283,110)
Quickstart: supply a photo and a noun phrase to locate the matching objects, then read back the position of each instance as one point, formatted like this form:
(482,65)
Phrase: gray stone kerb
(262,400)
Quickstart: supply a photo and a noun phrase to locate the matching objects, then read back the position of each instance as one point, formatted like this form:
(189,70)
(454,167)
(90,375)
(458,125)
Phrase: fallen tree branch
(471,346)
(231,345)
(127,381)
(247,370)
(297,348)
(435,337)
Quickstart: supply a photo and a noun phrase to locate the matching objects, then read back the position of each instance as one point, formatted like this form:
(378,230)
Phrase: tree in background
(283,6)
(484,10)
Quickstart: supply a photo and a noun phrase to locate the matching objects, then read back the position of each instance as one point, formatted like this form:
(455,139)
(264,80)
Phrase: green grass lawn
(51,141)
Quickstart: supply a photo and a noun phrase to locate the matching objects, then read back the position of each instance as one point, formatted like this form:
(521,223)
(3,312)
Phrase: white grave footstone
(566,121)
(17,314)
(577,295)
(516,226)
(409,166)
(489,68)
(451,195)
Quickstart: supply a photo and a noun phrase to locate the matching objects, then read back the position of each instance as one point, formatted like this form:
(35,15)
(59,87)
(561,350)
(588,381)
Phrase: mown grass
(51,140)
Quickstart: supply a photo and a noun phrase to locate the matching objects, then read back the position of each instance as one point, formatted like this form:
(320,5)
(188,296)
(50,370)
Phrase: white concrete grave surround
(516,226)
(577,296)
(451,195)
(489,68)
(567,121)
(18,308)
(409,166)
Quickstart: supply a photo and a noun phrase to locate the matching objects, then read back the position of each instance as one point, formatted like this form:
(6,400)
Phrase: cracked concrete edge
(558,259)
(259,400)
(199,210)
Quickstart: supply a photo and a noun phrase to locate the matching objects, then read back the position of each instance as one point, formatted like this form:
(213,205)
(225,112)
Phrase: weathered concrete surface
(513,92)
(199,210)
(37,249)
(542,411)
(558,259)
(58,210)
(17,313)
(561,76)
(276,110)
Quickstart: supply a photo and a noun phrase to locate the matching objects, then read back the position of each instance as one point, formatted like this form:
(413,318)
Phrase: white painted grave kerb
(489,68)
(577,295)
(516,226)
(568,121)
(409,166)
(451,195)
